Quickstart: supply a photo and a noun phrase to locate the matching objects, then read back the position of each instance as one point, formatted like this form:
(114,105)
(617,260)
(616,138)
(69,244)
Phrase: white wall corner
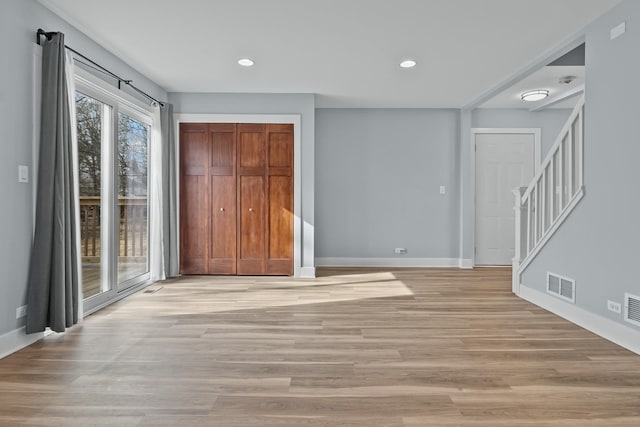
(16,340)
(615,332)
(308,272)
(466,263)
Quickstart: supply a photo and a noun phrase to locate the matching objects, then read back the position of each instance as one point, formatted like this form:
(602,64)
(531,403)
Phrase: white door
(504,161)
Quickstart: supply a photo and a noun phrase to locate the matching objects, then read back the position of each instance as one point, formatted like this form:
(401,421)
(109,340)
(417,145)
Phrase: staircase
(553,193)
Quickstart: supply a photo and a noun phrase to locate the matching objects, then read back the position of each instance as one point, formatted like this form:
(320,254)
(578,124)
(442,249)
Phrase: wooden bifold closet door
(236,198)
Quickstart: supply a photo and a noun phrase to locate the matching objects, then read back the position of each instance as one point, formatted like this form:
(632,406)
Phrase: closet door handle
(250,209)
(221,209)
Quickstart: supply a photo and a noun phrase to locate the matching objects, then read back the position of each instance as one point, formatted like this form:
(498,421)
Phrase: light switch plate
(443,190)
(23,173)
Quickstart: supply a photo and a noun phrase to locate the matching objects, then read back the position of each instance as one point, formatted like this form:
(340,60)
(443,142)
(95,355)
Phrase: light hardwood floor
(406,347)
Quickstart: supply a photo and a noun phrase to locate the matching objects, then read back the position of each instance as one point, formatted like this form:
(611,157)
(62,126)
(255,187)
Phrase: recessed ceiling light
(246,62)
(408,63)
(534,95)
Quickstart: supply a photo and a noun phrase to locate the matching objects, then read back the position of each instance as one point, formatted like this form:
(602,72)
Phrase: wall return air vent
(632,309)
(562,287)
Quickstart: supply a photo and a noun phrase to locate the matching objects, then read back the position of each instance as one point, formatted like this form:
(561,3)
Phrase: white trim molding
(578,90)
(390,262)
(17,340)
(606,328)
(537,133)
(308,272)
(295,120)
(466,264)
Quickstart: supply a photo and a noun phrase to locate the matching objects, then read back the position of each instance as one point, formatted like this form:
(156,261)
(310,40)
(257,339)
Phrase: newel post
(520,234)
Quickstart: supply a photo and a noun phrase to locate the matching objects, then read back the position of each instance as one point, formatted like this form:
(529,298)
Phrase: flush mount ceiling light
(246,62)
(408,63)
(534,95)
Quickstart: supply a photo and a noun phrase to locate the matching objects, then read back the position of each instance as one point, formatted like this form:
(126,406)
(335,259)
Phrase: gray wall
(378,173)
(598,244)
(245,103)
(19,21)
(550,121)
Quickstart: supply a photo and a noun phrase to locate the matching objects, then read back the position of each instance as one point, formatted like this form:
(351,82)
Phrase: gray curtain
(52,293)
(169,191)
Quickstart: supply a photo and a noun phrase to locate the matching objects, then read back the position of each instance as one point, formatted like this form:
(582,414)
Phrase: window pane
(133,143)
(89,114)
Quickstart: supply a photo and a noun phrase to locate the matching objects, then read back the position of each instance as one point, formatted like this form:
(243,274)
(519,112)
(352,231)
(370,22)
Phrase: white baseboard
(615,332)
(466,263)
(388,262)
(17,340)
(308,272)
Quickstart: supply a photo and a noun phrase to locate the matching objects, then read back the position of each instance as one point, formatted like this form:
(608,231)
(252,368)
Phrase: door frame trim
(295,120)
(536,166)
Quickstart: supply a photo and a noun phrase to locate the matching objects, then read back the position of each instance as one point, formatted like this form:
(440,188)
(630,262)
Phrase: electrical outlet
(614,306)
(21,312)
(401,250)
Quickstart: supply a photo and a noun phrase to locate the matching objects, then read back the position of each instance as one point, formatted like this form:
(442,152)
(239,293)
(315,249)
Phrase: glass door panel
(91,115)
(133,210)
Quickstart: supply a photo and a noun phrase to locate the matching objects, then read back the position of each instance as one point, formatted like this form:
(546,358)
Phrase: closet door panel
(251,245)
(280,199)
(193,240)
(194,224)
(223,224)
(222,241)
(251,162)
(280,235)
(280,149)
(223,148)
(251,148)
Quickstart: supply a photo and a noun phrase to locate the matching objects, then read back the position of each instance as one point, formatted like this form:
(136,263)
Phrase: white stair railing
(553,193)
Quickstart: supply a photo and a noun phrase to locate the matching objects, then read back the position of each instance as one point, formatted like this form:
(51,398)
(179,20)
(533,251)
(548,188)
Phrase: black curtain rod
(95,65)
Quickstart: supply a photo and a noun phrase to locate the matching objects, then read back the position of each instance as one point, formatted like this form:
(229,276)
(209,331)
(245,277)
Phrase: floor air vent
(561,287)
(632,309)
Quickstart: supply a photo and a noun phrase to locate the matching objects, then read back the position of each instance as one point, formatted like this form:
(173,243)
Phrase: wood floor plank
(352,348)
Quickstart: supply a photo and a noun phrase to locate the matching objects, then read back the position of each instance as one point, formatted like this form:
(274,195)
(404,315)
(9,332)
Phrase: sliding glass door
(133,205)
(92,117)
(113,165)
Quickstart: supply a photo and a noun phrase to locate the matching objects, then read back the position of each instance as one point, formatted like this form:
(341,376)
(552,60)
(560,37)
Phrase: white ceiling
(345,51)
(545,78)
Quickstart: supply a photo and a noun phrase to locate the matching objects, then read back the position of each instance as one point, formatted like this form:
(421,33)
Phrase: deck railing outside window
(132,214)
